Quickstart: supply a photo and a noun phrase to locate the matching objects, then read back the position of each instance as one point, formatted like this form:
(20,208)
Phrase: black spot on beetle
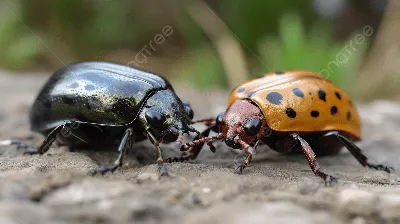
(334,110)
(338,95)
(280,73)
(89,87)
(241,89)
(298,92)
(290,112)
(322,95)
(348,115)
(314,113)
(274,98)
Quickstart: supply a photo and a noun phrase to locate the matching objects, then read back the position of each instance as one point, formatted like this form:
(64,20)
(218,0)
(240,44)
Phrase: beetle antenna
(194,143)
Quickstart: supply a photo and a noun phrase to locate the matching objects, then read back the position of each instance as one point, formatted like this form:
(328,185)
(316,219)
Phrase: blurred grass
(208,67)
(90,30)
(17,47)
(295,48)
(250,21)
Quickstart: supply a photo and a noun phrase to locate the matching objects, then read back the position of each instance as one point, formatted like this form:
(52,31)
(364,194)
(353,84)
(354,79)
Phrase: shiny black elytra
(91,104)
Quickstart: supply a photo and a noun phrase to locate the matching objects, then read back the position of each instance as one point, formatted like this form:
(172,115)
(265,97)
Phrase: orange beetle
(289,111)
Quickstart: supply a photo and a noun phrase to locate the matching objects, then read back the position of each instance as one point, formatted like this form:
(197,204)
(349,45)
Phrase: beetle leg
(250,151)
(312,161)
(357,153)
(194,151)
(201,141)
(45,145)
(162,169)
(62,129)
(156,143)
(126,143)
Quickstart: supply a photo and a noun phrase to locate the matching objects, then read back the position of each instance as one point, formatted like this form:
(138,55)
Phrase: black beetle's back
(94,92)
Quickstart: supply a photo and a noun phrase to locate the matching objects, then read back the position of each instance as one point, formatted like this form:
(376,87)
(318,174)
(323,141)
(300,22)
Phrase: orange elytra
(301,101)
(290,111)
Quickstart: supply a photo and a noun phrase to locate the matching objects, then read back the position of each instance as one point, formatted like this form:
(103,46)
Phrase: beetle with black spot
(274,110)
(100,104)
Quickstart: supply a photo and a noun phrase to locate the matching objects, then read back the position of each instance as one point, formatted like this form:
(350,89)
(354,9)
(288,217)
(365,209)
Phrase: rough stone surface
(55,187)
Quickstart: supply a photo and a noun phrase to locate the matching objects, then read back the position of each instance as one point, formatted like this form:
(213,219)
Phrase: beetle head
(242,125)
(244,121)
(166,117)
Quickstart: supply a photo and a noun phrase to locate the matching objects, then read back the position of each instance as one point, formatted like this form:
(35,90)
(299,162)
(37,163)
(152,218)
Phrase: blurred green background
(209,44)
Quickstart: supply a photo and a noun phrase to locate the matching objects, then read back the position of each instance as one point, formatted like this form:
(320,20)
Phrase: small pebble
(206,190)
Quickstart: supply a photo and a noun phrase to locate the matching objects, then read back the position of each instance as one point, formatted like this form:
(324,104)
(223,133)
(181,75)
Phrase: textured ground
(54,188)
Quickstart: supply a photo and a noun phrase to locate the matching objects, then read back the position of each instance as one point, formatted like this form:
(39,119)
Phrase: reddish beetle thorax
(236,116)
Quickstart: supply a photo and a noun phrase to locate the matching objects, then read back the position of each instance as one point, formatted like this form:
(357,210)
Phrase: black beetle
(91,104)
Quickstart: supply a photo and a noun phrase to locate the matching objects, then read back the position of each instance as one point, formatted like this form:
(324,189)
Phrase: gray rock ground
(54,188)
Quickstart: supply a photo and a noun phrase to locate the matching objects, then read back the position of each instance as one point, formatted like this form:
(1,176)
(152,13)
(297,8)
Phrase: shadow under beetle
(91,104)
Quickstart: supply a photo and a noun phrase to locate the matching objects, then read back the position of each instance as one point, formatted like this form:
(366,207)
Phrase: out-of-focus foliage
(49,34)
(250,20)
(208,69)
(17,47)
(295,48)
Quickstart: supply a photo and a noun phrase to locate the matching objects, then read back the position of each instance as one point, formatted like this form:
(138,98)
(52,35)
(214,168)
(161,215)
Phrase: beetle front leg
(312,161)
(195,150)
(250,151)
(126,143)
(156,144)
(162,169)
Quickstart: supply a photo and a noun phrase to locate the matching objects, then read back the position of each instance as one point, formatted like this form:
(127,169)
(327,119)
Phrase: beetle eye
(252,126)
(189,111)
(155,118)
(219,119)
